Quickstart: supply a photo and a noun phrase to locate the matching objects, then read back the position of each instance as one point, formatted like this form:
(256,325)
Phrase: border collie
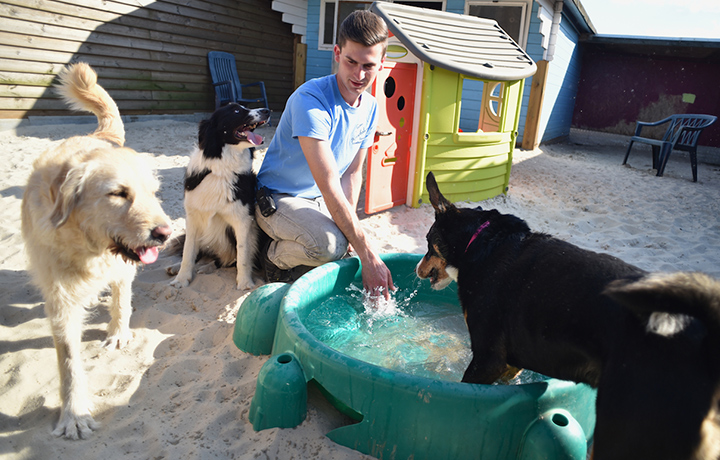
(220,196)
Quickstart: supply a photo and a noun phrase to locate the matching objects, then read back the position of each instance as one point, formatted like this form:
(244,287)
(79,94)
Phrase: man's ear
(336,53)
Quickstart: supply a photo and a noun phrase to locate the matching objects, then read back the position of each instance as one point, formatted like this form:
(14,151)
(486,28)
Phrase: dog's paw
(118,339)
(246,284)
(75,426)
(207,268)
(180,281)
(173,269)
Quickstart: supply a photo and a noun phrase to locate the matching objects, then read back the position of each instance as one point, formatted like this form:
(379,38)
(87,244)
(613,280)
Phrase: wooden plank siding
(151,56)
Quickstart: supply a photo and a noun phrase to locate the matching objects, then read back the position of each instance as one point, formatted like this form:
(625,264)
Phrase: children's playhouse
(435,62)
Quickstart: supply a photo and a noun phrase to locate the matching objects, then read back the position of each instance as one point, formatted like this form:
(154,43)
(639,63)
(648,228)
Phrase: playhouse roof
(464,44)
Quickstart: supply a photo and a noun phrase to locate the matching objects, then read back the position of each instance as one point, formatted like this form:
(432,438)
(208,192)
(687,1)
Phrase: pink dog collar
(482,227)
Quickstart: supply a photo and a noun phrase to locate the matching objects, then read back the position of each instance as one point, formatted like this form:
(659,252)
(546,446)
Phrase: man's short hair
(364,27)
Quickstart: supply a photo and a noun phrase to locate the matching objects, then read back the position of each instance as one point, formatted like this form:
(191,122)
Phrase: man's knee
(328,248)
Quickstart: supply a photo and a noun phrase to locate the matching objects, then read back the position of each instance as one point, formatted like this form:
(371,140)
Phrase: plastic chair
(682,134)
(226,82)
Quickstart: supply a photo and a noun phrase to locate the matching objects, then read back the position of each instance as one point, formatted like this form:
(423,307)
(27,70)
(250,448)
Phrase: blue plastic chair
(682,134)
(226,82)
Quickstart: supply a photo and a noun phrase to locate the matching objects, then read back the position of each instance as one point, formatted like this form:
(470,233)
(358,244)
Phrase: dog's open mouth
(245,133)
(143,254)
(434,276)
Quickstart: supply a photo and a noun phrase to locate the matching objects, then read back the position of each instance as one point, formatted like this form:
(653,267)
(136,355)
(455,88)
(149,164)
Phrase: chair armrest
(226,82)
(639,125)
(257,83)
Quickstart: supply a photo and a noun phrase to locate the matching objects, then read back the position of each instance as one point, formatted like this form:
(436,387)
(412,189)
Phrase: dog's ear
(203,126)
(66,191)
(439,202)
(209,140)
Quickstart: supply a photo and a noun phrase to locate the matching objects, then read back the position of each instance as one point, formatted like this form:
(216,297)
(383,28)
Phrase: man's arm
(352,179)
(335,191)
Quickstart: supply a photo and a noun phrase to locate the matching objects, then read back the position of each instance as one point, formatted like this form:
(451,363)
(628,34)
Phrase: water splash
(406,333)
(377,307)
(403,334)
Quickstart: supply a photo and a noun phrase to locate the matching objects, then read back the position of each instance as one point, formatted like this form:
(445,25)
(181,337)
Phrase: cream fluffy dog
(89,214)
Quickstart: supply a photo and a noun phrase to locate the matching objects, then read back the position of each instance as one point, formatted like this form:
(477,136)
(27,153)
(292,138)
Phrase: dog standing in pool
(650,343)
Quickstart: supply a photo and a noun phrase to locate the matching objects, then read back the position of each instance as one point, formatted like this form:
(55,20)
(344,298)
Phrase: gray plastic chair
(682,134)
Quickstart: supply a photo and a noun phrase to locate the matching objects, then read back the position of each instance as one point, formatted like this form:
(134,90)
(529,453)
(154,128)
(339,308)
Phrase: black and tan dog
(650,343)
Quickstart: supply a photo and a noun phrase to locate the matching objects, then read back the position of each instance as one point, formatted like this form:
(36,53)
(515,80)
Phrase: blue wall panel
(562,84)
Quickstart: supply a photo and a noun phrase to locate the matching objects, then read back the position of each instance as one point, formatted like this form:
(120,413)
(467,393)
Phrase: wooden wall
(151,56)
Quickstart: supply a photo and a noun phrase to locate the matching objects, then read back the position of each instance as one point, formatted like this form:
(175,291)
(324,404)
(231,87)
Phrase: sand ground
(182,390)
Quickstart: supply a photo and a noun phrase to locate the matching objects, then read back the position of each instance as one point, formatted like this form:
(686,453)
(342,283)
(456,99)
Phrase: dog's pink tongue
(148,255)
(254,138)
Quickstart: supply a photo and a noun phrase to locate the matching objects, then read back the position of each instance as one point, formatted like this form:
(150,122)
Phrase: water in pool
(404,334)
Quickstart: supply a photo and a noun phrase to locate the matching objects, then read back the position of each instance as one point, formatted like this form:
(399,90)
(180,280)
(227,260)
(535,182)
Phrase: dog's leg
(489,361)
(119,333)
(190,252)
(484,371)
(510,373)
(246,239)
(66,321)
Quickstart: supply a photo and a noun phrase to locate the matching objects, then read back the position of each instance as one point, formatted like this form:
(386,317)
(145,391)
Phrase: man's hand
(377,279)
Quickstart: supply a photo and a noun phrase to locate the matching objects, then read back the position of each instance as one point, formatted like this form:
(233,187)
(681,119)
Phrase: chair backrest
(680,137)
(222,68)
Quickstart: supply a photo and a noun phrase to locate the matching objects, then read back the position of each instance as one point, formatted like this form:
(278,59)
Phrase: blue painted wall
(562,84)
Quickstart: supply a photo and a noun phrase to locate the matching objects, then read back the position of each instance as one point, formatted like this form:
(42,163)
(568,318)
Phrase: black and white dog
(220,196)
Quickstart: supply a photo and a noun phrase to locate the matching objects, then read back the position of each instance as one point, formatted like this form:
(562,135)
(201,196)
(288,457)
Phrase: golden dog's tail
(78,86)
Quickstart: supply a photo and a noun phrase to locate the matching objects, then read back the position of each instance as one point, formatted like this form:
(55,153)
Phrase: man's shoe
(274,274)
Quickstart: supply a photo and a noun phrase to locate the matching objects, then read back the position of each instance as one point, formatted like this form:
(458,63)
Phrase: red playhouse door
(389,158)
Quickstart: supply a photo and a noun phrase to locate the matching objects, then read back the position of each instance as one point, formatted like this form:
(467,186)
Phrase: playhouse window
(513,16)
(481,105)
(333,12)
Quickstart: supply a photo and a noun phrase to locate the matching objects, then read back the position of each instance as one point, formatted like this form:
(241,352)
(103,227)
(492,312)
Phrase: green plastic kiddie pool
(399,415)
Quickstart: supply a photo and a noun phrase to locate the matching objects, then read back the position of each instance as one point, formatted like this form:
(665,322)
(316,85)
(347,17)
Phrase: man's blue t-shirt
(317,110)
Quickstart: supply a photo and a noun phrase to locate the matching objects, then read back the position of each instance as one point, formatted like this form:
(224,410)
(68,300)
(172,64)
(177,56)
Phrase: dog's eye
(237,110)
(122,193)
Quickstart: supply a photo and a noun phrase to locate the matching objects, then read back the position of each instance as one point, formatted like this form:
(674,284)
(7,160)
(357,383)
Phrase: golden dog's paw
(75,426)
(173,269)
(118,339)
(181,281)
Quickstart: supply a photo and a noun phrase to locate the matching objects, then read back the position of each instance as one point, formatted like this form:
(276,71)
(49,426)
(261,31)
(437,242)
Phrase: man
(313,166)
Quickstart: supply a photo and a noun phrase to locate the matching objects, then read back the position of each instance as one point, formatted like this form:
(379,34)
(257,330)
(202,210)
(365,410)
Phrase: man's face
(358,66)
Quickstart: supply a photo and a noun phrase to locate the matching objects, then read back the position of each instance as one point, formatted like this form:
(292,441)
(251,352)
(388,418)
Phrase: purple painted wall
(628,80)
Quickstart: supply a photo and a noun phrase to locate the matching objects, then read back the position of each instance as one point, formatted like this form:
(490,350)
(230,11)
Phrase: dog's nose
(161,232)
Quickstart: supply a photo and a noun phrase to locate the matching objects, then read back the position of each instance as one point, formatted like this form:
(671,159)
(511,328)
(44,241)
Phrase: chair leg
(655,156)
(664,157)
(693,164)
(627,154)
